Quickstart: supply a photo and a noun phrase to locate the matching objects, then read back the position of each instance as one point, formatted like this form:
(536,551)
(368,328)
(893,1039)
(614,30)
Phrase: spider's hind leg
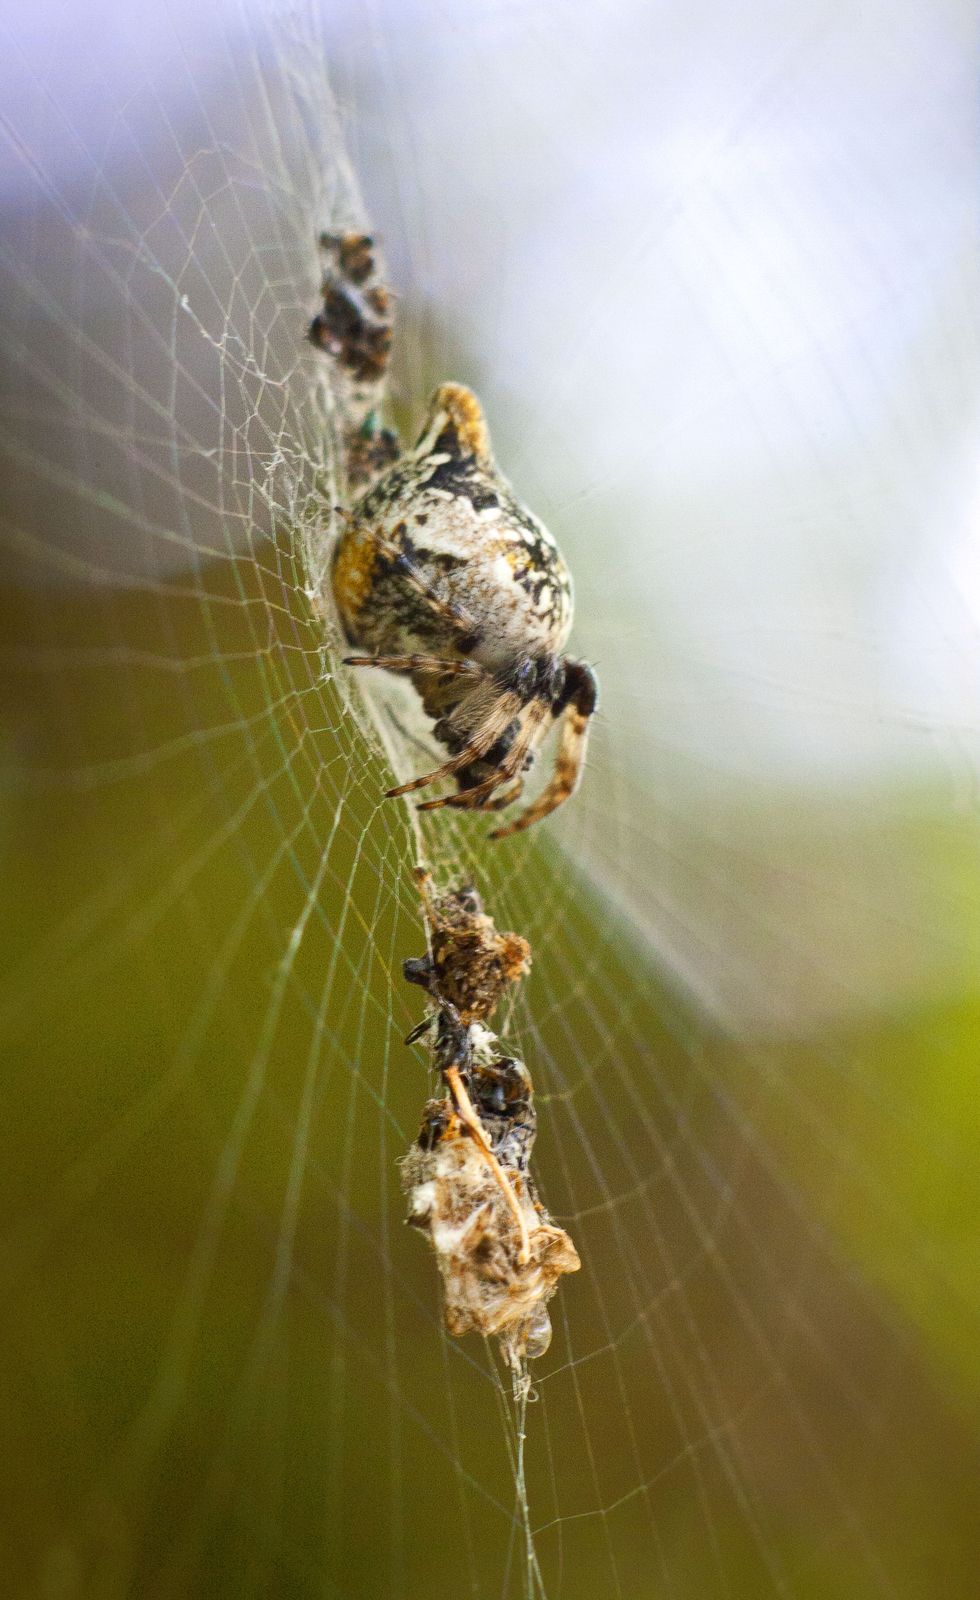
(502,773)
(502,708)
(440,665)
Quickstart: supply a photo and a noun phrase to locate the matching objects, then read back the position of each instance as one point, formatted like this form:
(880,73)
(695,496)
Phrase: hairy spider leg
(538,713)
(500,802)
(470,1121)
(469,799)
(416,664)
(504,712)
(579,696)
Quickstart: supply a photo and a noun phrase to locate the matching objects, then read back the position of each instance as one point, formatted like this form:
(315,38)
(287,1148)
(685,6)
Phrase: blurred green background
(223,1368)
(752,1014)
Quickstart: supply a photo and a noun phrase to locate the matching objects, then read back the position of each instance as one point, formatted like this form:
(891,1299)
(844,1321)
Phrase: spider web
(713,277)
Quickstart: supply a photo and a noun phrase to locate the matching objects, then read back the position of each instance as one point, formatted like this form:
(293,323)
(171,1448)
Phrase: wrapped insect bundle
(467,1177)
(470,964)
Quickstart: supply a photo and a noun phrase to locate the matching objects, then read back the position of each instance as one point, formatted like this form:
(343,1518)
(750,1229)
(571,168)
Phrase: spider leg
(509,767)
(575,708)
(500,802)
(505,709)
(415,664)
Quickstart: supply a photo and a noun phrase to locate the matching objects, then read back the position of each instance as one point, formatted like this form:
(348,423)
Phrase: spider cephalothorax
(441,574)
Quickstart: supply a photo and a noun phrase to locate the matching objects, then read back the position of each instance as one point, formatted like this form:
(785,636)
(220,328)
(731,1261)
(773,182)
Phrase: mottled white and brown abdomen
(443,521)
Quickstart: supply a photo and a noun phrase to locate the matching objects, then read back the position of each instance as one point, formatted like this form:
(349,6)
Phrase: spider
(440,574)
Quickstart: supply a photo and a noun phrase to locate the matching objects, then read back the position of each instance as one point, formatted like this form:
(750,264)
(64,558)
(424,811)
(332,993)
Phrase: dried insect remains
(467,1176)
(469,964)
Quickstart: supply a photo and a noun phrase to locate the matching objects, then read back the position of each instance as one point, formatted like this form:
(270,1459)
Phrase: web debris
(467,1176)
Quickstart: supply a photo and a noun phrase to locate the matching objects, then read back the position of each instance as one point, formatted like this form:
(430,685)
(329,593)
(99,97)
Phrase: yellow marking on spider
(353,574)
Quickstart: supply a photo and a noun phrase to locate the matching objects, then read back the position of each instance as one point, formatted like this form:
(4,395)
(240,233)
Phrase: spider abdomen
(443,524)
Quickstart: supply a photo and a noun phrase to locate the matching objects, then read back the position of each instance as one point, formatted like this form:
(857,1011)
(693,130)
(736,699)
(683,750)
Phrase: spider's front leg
(574,705)
(503,770)
(492,733)
(501,711)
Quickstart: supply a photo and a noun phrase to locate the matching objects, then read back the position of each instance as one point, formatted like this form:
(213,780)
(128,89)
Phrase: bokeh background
(713,270)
